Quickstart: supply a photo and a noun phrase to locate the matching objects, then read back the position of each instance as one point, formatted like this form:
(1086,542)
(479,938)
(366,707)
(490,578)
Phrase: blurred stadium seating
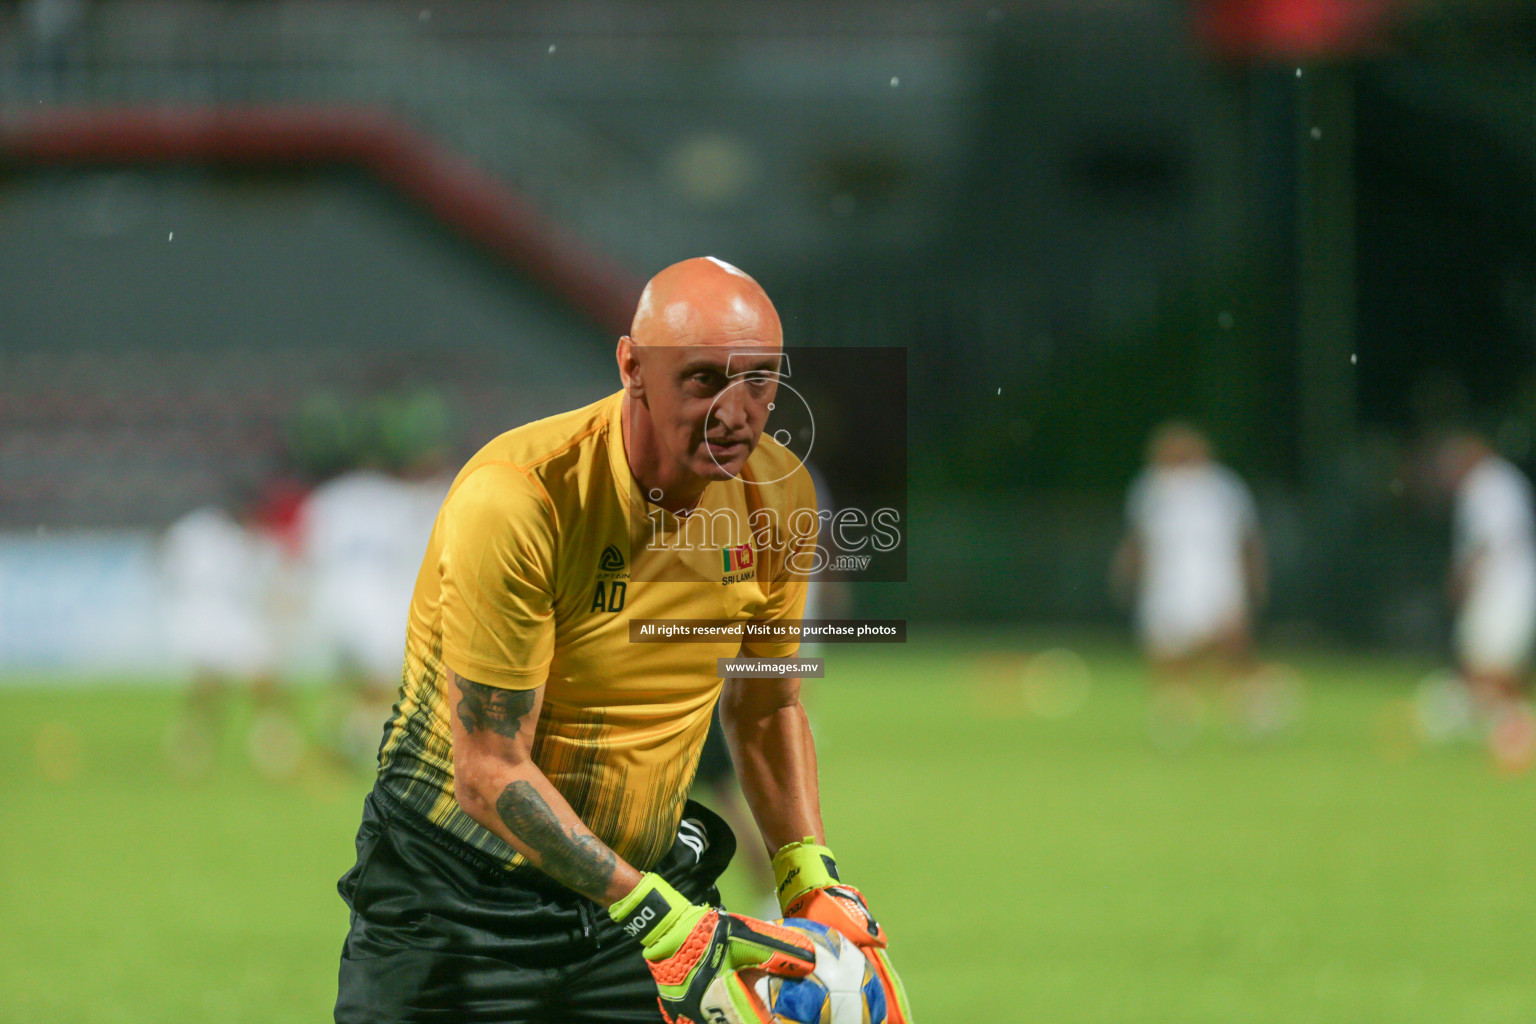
(229,226)
(1075,233)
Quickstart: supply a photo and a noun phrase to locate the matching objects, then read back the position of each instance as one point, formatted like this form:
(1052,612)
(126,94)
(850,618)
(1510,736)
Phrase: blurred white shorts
(360,629)
(1175,629)
(219,641)
(1496,627)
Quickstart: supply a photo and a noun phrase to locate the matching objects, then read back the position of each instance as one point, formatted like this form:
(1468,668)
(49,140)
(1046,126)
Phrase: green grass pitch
(1055,869)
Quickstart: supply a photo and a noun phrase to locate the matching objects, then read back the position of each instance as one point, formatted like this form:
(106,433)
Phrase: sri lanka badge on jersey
(736,560)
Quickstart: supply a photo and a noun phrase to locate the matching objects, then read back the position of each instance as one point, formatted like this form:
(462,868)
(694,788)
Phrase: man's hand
(696,952)
(808,887)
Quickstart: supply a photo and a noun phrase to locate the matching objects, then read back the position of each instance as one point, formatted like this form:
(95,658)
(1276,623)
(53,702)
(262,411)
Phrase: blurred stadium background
(233,232)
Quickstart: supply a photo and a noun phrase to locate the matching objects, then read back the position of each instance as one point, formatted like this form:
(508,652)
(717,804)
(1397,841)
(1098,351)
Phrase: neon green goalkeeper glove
(695,952)
(808,887)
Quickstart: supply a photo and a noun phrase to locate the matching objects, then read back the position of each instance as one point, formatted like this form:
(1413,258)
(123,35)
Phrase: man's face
(709,404)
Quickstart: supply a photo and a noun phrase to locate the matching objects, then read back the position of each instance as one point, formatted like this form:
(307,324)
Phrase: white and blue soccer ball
(843,989)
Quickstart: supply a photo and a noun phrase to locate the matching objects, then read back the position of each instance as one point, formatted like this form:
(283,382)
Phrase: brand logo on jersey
(611,586)
(610,560)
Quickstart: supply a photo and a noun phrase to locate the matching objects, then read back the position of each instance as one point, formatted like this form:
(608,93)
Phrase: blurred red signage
(1291,29)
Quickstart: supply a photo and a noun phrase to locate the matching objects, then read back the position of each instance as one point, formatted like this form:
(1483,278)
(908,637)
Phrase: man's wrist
(649,910)
(624,880)
(800,867)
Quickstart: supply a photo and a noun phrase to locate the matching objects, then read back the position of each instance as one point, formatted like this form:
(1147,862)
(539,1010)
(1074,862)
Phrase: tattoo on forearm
(573,857)
(490,707)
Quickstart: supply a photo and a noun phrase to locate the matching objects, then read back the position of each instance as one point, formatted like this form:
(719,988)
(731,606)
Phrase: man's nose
(731,410)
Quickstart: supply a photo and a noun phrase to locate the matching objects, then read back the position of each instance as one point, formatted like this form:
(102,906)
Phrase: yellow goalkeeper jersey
(543,552)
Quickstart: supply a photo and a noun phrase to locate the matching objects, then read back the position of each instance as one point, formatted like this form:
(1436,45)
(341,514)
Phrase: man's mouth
(725,448)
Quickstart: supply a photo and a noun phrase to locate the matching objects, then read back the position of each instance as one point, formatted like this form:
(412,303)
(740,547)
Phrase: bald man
(528,852)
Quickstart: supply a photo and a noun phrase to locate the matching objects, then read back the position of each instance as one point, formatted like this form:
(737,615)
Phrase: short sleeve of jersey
(1498,513)
(1495,512)
(497,579)
(1245,512)
(786,591)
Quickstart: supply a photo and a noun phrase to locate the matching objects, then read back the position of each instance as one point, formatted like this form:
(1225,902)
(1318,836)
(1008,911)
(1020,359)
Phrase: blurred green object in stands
(325,435)
(412,431)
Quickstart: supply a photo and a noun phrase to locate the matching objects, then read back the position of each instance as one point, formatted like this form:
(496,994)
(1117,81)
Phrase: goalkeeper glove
(808,887)
(695,952)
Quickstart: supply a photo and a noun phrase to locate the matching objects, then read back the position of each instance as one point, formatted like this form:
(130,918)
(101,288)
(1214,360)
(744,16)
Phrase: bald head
(705,301)
(700,371)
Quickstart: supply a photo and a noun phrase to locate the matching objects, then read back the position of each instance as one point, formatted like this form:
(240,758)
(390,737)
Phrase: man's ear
(629,367)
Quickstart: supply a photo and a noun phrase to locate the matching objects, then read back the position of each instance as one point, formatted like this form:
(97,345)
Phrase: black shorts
(715,767)
(440,933)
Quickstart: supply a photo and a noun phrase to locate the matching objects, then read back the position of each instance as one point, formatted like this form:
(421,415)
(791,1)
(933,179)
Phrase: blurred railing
(470,75)
(371,56)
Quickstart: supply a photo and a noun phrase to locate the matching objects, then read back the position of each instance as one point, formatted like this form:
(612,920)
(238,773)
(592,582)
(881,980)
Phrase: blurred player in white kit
(362,534)
(218,575)
(1493,588)
(1193,560)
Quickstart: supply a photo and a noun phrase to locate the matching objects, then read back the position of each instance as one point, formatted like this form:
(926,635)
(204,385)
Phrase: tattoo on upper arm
(574,857)
(491,707)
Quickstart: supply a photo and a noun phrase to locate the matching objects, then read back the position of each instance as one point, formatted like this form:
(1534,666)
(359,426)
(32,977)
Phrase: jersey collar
(624,480)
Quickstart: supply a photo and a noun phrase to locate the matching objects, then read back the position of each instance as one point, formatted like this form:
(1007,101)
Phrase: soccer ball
(843,989)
